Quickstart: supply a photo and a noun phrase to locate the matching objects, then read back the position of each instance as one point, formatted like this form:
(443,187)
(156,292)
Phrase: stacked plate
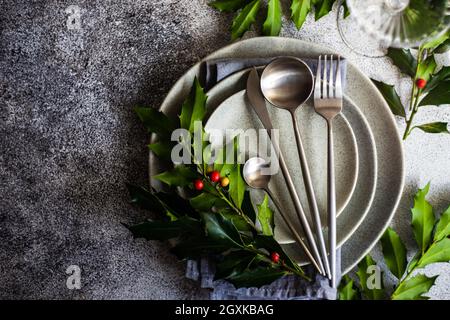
(368,150)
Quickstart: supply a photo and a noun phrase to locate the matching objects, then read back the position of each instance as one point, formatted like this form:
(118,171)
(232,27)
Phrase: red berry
(214,176)
(198,184)
(421,83)
(275,257)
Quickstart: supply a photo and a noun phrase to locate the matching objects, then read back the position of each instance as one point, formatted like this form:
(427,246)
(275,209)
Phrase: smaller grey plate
(235,115)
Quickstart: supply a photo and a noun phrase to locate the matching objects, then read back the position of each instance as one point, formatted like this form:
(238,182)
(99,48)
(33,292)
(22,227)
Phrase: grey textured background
(70,142)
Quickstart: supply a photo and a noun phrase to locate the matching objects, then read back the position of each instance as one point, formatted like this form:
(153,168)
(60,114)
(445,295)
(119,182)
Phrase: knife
(258,103)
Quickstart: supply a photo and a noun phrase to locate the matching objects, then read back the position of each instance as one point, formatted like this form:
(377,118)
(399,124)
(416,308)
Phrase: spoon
(256,178)
(287,83)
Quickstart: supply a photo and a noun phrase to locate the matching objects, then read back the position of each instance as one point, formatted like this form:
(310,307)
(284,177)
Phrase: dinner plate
(235,116)
(390,160)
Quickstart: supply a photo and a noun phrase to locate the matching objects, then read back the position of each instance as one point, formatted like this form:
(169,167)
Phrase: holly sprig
(433,240)
(247,11)
(429,86)
(207,210)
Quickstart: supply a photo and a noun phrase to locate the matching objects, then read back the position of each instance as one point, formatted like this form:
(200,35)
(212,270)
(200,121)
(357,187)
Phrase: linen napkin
(287,287)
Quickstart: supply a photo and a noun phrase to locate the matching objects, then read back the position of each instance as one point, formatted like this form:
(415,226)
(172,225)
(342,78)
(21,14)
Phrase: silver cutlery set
(287,83)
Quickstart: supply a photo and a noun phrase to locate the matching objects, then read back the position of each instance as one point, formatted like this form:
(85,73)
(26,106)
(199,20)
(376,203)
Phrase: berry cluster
(214,176)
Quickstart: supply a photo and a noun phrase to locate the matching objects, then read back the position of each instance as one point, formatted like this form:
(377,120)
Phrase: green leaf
(180,176)
(438,95)
(205,201)
(391,97)
(194,107)
(394,252)
(247,206)
(422,219)
(436,42)
(239,222)
(237,185)
(414,288)
(440,76)
(443,226)
(164,230)
(347,289)
(369,293)
(299,11)
(404,60)
(322,7)
(265,217)
(346,11)
(222,230)
(144,198)
(196,247)
(434,127)
(162,149)
(233,263)
(426,68)
(256,278)
(443,47)
(412,264)
(438,252)
(272,25)
(245,18)
(228,5)
(155,121)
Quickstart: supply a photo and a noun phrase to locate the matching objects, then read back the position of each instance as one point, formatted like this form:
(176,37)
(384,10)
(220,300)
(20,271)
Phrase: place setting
(337,187)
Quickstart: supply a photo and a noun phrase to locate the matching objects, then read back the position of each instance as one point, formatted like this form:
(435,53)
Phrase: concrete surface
(70,141)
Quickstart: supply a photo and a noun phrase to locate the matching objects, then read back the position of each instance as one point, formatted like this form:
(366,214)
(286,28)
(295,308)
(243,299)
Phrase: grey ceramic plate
(234,114)
(361,90)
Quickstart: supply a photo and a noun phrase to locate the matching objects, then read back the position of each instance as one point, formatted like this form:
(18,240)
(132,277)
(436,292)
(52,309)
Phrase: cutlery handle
(331,205)
(292,229)
(297,204)
(310,194)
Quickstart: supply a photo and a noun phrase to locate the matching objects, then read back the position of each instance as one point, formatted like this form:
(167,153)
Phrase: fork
(328,103)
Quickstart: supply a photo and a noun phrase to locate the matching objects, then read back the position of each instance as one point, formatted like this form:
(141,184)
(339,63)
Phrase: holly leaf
(237,185)
(144,198)
(436,42)
(438,252)
(155,121)
(414,288)
(443,47)
(391,97)
(299,11)
(441,75)
(443,226)
(256,277)
(164,230)
(228,5)
(180,176)
(196,247)
(272,25)
(394,252)
(347,289)
(369,291)
(194,107)
(433,127)
(265,217)
(439,95)
(245,18)
(247,206)
(404,60)
(422,219)
(234,263)
(162,149)
(222,230)
(414,261)
(346,11)
(205,201)
(322,7)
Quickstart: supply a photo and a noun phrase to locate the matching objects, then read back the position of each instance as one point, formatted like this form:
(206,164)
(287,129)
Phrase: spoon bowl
(287,82)
(254,175)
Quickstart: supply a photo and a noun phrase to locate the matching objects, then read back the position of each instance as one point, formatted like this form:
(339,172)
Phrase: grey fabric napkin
(287,287)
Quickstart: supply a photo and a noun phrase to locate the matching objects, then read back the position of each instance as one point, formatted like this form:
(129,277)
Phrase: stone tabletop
(70,141)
